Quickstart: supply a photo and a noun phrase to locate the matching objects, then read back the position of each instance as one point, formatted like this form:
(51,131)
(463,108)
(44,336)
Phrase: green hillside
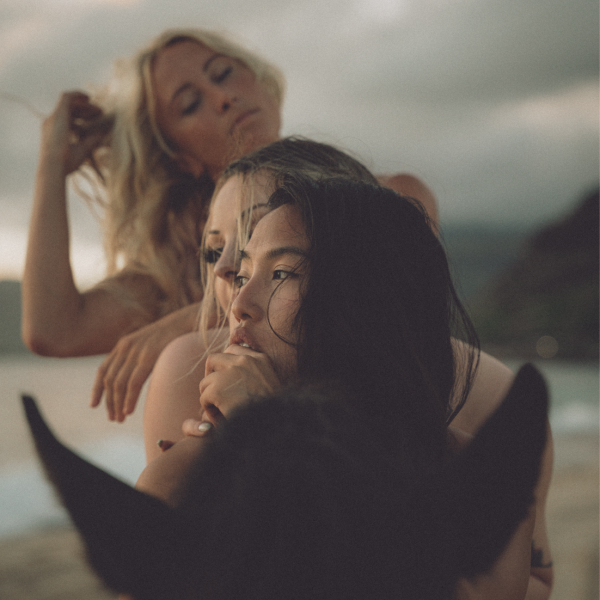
(10,318)
(546,303)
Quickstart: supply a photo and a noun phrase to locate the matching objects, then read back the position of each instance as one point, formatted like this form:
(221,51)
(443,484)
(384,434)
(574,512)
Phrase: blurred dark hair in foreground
(295,497)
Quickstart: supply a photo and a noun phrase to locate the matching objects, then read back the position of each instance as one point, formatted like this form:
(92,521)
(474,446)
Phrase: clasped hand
(231,379)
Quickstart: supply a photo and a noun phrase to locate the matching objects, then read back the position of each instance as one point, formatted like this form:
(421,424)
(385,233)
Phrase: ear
(488,489)
(132,539)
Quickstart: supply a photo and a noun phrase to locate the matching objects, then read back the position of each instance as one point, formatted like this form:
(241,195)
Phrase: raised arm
(58,320)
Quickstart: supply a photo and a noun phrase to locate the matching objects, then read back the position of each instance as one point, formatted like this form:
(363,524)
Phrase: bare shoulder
(185,347)
(491,383)
(403,183)
(409,185)
(185,352)
(173,391)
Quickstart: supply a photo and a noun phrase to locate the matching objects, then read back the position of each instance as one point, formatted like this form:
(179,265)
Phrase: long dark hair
(296,154)
(379,309)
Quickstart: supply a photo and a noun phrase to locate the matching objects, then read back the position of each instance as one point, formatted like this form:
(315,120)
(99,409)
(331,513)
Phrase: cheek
(282,311)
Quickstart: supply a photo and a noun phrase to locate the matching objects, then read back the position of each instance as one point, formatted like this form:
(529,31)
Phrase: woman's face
(268,289)
(234,198)
(211,107)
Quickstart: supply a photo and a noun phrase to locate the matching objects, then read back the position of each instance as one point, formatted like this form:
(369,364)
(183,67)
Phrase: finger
(84,109)
(98,387)
(134,387)
(211,403)
(74,94)
(222,360)
(195,428)
(111,382)
(88,142)
(204,383)
(120,386)
(108,400)
(68,99)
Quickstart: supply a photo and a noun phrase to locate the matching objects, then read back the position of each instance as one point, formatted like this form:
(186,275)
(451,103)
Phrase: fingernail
(205,427)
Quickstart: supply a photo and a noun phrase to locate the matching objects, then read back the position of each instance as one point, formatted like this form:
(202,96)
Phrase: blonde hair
(153,211)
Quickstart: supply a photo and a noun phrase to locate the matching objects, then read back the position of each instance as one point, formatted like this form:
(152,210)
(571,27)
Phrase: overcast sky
(493,103)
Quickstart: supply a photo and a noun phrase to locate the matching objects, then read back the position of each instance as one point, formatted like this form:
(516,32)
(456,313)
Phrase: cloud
(87,257)
(492,102)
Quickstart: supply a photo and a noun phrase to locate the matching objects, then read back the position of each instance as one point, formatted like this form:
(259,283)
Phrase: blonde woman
(154,143)
(175,116)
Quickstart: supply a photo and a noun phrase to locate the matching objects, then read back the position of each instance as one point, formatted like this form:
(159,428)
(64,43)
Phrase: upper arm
(101,316)
(173,394)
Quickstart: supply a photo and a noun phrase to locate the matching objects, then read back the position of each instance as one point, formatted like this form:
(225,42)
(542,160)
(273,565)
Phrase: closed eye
(212,255)
(191,108)
(222,76)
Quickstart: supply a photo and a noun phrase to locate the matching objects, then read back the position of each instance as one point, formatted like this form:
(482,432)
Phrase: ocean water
(62,387)
(574,394)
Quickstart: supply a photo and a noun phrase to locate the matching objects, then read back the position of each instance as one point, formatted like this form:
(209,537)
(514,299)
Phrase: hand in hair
(125,370)
(73,131)
(232,378)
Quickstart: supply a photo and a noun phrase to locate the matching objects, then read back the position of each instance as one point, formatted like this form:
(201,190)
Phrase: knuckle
(120,385)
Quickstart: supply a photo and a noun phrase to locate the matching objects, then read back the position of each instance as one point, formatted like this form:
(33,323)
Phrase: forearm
(180,321)
(51,301)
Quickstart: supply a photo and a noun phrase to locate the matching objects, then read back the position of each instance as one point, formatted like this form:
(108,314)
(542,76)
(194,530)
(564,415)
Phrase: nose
(226,266)
(223,98)
(248,303)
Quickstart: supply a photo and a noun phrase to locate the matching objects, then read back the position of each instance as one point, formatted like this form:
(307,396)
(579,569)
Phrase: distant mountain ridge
(10,318)
(475,254)
(546,303)
(519,287)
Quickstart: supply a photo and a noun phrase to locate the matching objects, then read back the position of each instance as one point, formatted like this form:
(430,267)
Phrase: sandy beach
(48,563)
(573,517)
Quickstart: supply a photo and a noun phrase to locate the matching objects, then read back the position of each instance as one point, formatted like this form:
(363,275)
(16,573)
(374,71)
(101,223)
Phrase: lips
(241,337)
(243,116)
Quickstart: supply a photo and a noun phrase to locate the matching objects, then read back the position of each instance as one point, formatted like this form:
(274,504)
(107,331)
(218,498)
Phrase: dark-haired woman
(344,283)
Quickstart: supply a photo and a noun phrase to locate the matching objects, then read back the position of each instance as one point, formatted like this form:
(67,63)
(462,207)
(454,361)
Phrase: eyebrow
(277,252)
(243,214)
(205,68)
